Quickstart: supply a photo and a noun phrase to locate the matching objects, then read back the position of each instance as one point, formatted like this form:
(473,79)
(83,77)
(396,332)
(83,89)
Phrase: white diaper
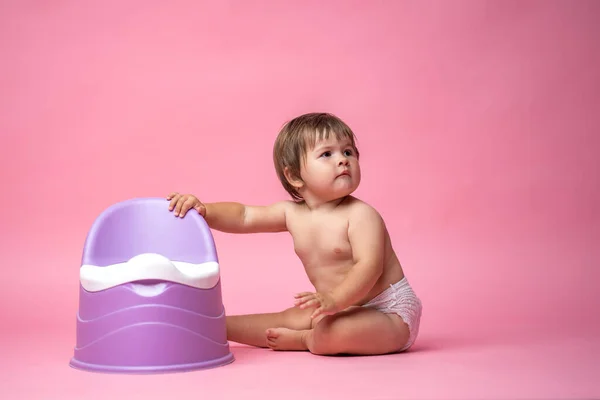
(400,299)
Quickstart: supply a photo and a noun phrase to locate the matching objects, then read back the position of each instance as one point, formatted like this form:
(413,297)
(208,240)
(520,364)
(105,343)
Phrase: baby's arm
(366,231)
(234,217)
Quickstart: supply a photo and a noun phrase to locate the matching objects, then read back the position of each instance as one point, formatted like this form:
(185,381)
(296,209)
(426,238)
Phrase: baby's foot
(286,339)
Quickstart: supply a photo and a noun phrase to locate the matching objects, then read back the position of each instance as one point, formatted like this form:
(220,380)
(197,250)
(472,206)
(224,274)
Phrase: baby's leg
(250,329)
(358,330)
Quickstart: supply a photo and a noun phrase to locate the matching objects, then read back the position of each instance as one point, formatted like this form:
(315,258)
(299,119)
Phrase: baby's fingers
(174,198)
(186,206)
(317,312)
(310,303)
(303,298)
(303,294)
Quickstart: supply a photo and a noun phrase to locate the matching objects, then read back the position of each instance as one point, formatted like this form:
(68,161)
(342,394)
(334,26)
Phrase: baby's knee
(324,340)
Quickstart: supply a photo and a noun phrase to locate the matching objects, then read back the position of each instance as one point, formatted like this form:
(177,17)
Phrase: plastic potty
(150,293)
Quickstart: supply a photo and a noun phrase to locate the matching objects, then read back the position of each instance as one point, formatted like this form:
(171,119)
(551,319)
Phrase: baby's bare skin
(345,249)
(321,242)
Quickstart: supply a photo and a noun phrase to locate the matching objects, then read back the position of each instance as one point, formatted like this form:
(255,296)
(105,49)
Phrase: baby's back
(322,243)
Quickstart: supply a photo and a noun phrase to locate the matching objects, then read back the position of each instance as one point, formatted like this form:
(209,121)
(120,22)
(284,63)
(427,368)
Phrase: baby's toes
(272,334)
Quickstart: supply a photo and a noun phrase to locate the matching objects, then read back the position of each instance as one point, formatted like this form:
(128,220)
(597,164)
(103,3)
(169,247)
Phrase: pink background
(478,126)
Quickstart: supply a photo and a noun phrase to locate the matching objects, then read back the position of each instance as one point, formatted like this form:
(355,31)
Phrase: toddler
(362,303)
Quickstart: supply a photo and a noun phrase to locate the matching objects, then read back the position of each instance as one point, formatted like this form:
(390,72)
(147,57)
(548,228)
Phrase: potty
(149,293)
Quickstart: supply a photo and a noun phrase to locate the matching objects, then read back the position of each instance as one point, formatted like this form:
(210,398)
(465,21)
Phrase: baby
(362,303)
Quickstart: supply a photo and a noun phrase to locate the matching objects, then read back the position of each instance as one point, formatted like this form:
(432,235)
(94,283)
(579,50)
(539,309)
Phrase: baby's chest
(321,240)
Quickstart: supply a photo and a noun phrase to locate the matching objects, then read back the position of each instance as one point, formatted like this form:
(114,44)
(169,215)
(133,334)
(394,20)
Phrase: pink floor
(509,367)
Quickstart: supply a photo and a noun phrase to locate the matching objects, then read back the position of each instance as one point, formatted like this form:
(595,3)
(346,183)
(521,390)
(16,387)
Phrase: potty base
(180,329)
(228,359)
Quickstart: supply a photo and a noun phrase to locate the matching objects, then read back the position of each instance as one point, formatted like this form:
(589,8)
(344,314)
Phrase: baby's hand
(324,302)
(183,203)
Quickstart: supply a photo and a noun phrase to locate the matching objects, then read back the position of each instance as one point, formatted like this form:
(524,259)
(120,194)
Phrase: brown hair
(301,133)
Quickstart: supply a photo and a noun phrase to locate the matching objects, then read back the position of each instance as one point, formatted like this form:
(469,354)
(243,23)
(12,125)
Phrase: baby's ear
(292,179)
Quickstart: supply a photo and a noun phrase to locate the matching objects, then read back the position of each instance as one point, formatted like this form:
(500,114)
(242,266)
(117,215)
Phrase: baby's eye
(326,154)
(348,153)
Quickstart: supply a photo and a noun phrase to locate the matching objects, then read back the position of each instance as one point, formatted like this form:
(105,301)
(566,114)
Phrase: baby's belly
(327,277)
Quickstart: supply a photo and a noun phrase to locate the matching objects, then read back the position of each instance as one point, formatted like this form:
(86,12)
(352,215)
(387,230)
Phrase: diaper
(400,299)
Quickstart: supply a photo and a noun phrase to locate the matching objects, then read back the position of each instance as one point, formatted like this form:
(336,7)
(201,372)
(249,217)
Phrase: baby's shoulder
(365,222)
(359,209)
(293,209)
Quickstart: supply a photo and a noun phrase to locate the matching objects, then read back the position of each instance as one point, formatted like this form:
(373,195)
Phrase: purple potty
(150,293)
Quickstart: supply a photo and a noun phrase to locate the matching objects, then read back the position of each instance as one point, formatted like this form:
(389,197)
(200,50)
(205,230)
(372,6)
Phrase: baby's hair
(300,134)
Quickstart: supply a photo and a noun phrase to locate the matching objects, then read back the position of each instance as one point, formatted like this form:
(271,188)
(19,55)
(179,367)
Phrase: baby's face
(331,169)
